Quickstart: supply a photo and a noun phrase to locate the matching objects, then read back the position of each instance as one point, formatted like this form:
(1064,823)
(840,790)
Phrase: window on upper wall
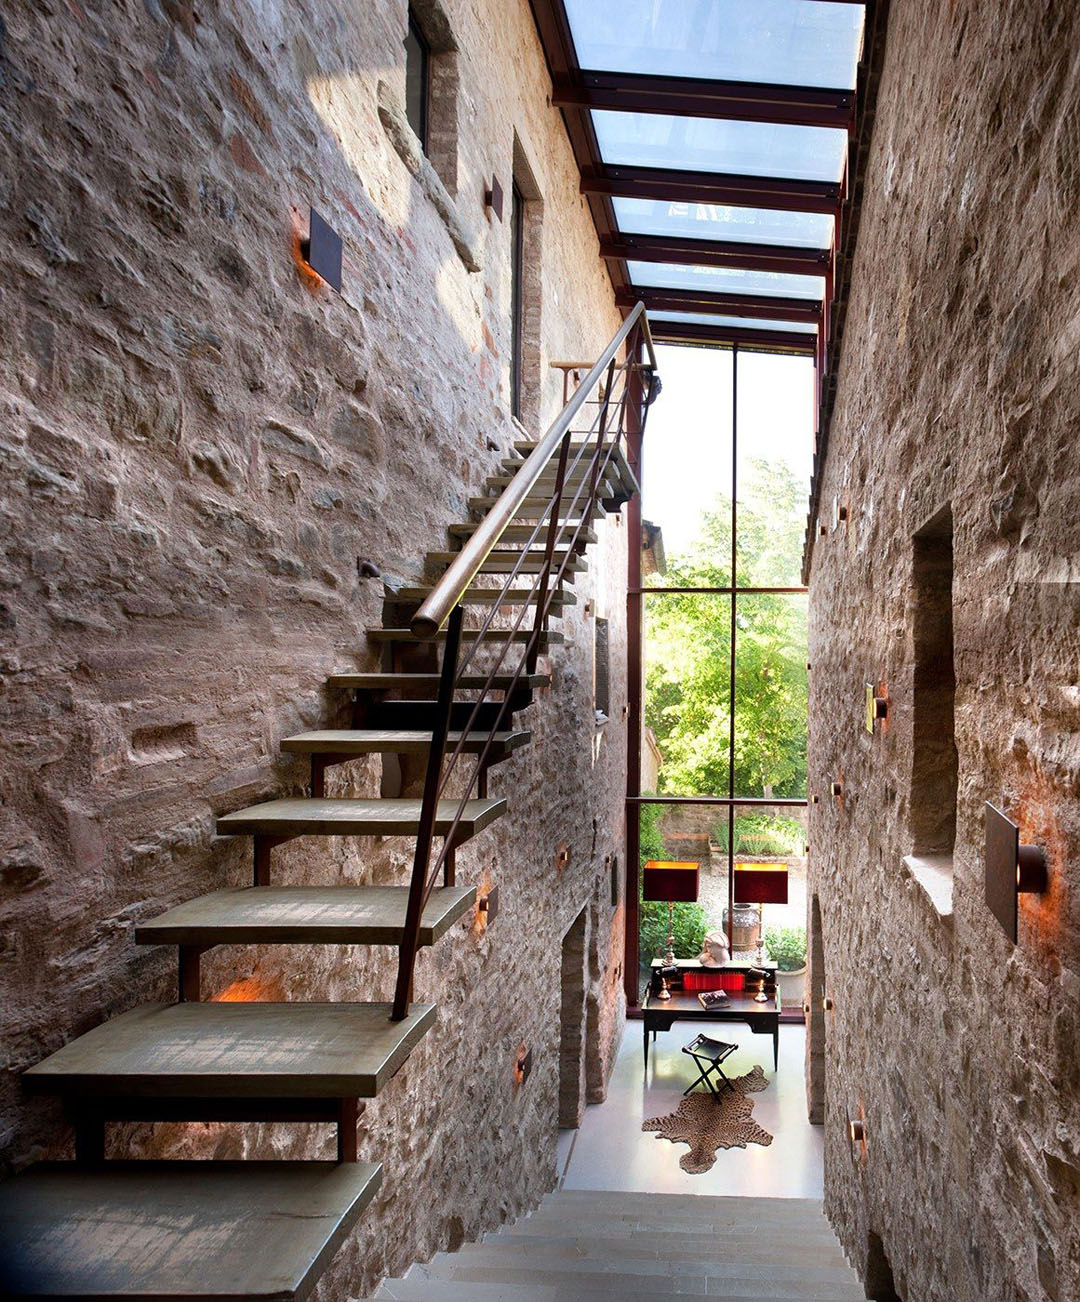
(601,671)
(417,80)
(934,758)
(431,87)
(517,295)
(526,292)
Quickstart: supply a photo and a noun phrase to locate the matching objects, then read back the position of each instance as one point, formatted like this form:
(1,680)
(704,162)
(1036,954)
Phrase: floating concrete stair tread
(518,533)
(618,462)
(380,682)
(491,596)
(310,817)
(169,1230)
(506,562)
(545,485)
(568,509)
(467,635)
(236,1051)
(305,915)
(395,741)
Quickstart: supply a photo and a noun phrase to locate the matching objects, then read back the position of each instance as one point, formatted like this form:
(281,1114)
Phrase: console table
(762,1018)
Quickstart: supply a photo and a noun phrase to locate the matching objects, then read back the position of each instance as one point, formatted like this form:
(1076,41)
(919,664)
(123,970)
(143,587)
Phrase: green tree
(687,697)
(689,919)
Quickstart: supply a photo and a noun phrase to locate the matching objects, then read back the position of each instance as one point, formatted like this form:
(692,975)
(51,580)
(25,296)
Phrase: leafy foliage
(766,834)
(689,929)
(787,947)
(687,697)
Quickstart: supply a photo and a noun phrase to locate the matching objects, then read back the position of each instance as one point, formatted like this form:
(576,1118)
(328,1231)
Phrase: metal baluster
(428,811)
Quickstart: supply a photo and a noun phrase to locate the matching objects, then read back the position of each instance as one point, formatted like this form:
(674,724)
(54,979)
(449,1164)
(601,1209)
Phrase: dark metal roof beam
(676,185)
(693,97)
(771,340)
(716,253)
(762,307)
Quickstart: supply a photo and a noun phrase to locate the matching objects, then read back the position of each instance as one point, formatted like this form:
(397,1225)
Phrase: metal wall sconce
(322,250)
(836,788)
(493,198)
(487,908)
(523,1064)
(1011,869)
(877,707)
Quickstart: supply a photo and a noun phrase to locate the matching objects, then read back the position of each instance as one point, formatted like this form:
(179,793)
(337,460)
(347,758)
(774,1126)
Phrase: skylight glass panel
(713,221)
(781,42)
(732,322)
(725,280)
(720,145)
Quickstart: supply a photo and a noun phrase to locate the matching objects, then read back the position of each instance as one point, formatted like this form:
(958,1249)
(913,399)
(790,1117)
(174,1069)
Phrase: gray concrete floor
(610,1151)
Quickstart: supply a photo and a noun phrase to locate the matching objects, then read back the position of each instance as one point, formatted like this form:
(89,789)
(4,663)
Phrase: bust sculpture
(715,952)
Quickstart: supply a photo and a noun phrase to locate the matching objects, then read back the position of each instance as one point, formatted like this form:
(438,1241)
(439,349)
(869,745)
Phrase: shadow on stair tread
(346,817)
(305,915)
(267,1228)
(235,1050)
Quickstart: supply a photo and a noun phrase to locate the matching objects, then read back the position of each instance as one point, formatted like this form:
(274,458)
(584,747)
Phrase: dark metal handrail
(451,587)
(587,468)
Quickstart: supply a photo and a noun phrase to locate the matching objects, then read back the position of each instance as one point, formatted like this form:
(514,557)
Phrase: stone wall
(958,386)
(201,450)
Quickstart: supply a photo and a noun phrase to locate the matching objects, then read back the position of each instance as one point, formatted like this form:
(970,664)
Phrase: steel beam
(704,98)
(716,253)
(681,186)
(759,307)
(690,332)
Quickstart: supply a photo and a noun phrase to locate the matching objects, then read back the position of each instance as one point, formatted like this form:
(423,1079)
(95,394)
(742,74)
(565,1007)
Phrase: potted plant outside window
(786,947)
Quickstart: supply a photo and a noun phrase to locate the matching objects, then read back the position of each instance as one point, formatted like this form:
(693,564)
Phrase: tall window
(933,760)
(417,80)
(517,295)
(725,474)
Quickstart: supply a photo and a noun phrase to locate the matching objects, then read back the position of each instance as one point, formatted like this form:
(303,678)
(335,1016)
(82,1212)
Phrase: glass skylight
(713,221)
(719,145)
(781,42)
(725,280)
(736,322)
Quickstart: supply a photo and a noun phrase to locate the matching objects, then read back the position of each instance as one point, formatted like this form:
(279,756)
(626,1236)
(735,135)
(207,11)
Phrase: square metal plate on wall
(1002,854)
(322,250)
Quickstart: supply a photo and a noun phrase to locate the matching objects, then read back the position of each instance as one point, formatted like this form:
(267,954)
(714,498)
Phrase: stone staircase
(582,1244)
(256,1229)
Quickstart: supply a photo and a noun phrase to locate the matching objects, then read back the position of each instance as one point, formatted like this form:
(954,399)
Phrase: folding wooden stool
(708,1055)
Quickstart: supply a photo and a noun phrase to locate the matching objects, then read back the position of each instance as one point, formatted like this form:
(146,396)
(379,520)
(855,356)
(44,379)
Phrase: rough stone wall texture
(199,448)
(958,384)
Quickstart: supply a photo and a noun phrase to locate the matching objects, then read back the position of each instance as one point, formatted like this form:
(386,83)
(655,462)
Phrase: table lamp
(671,880)
(761,884)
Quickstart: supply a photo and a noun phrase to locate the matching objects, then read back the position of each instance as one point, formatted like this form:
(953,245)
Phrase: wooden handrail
(451,587)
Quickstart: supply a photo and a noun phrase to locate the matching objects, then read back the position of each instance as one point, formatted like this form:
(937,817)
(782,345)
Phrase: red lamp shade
(671,880)
(761,883)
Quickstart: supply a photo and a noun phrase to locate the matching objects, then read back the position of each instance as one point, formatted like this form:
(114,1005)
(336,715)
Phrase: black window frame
(415,32)
(517,295)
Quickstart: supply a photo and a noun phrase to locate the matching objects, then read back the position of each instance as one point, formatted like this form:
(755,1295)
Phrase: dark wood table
(763,1019)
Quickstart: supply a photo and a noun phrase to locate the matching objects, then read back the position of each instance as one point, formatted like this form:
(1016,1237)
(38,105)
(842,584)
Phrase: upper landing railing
(563,509)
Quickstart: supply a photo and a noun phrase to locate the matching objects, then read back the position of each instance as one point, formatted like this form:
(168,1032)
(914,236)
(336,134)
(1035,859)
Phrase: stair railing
(610,386)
